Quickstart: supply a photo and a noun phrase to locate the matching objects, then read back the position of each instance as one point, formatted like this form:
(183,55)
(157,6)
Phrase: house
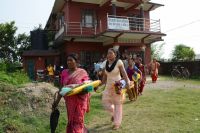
(40,55)
(90,27)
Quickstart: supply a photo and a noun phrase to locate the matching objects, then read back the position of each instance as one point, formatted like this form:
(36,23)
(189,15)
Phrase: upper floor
(108,18)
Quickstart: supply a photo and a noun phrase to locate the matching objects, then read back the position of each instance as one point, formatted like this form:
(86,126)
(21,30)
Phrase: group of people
(113,70)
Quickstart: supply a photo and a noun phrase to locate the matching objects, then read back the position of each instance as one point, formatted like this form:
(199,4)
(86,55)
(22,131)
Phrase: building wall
(77,47)
(72,12)
(40,63)
(148,54)
(74,15)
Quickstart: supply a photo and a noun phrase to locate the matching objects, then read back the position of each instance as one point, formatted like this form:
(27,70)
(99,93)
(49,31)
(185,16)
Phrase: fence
(192,66)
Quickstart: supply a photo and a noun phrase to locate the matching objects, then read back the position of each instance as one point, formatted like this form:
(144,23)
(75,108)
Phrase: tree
(7,41)
(183,52)
(157,50)
(23,43)
(11,46)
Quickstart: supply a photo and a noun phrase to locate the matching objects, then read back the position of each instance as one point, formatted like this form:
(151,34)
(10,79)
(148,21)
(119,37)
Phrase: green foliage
(10,74)
(11,46)
(157,50)
(183,52)
(16,78)
(23,43)
(7,41)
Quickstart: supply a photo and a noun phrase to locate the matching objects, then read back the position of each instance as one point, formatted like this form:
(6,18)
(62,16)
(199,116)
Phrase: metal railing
(80,29)
(140,24)
(92,29)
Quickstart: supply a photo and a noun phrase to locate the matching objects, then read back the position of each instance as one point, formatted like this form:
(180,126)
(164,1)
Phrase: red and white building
(90,27)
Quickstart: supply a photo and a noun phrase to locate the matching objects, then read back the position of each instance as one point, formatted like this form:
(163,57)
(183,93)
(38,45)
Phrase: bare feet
(115,127)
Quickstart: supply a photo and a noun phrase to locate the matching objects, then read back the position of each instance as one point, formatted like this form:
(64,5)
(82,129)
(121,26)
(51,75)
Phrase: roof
(40,53)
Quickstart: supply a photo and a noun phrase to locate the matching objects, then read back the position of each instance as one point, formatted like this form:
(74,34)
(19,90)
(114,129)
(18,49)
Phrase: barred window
(88,18)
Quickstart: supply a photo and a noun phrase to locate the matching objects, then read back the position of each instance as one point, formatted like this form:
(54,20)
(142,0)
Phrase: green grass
(166,111)
(173,110)
(187,81)
(16,78)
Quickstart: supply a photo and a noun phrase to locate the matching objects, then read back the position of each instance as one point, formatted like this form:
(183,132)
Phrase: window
(61,20)
(88,18)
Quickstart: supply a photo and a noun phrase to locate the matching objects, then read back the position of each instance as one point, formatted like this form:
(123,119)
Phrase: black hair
(115,51)
(74,56)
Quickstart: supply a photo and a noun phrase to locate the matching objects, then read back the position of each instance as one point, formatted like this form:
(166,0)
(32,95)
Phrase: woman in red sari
(154,65)
(77,105)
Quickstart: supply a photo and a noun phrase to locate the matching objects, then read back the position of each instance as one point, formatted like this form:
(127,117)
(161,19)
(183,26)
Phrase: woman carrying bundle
(77,105)
(133,72)
(112,101)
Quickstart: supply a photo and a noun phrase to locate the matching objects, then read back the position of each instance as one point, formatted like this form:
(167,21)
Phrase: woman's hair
(74,56)
(116,52)
(131,59)
(140,59)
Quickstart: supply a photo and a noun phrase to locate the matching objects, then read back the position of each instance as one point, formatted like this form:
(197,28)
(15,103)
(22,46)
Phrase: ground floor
(89,53)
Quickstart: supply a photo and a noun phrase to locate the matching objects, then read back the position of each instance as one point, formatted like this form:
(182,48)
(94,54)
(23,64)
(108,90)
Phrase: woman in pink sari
(77,105)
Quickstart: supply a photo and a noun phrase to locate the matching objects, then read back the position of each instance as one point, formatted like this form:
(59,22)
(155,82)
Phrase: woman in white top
(112,101)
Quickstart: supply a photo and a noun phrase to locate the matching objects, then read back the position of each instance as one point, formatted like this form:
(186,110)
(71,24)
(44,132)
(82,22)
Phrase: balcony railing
(110,22)
(134,23)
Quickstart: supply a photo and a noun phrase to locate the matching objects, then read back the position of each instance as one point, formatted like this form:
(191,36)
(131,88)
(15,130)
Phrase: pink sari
(77,105)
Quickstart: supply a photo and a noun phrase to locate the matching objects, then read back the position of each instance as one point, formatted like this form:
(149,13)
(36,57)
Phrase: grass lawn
(157,111)
(175,110)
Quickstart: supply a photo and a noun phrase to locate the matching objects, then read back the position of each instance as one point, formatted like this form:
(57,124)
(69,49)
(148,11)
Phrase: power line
(182,26)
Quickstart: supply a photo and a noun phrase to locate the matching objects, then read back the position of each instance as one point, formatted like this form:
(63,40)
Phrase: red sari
(154,71)
(77,105)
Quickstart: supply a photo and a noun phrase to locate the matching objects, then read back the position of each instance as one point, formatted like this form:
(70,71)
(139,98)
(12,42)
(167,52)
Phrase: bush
(9,67)
(15,78)
(2,66)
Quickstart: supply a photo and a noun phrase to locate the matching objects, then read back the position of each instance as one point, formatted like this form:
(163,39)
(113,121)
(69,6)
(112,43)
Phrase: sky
(179,19)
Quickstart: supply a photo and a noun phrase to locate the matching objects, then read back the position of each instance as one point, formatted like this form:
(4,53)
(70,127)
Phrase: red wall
(77,47)
(39,62)
(148,54)
(74,11)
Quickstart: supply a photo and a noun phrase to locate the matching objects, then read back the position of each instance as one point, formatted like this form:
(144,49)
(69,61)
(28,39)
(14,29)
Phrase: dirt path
(169,84)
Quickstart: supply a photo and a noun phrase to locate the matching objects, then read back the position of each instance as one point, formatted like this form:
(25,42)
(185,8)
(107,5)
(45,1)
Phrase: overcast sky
(179,19)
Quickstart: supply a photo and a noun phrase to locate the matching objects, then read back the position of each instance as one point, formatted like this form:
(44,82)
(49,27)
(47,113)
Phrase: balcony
(112,26)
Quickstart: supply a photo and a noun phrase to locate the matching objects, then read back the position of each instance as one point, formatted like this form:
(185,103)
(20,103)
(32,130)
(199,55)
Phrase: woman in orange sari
(154,65)
(77,105)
